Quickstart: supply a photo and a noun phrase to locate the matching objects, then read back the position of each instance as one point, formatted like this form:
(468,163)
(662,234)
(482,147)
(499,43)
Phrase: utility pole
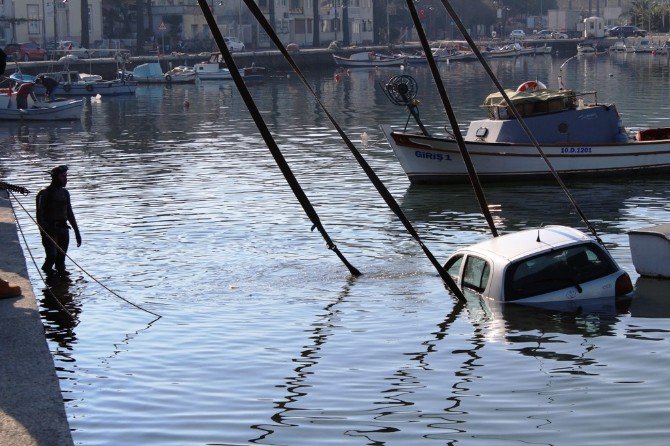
(44,26)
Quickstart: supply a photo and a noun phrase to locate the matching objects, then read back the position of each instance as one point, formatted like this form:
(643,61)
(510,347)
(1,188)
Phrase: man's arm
(73,221)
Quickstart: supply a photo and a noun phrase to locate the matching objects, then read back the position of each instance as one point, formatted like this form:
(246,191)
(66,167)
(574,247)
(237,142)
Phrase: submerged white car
(549,264)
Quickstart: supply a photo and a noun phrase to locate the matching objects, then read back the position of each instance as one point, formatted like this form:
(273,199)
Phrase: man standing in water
(54,211)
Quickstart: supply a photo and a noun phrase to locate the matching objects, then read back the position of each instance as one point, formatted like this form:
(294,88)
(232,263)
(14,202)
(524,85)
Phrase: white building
(292,20)
(34,20)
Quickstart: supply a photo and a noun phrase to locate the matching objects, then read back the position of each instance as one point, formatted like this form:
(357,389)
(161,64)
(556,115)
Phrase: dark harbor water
(264,338)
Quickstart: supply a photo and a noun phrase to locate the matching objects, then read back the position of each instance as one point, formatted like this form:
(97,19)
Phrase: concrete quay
(32,411)
(273,60)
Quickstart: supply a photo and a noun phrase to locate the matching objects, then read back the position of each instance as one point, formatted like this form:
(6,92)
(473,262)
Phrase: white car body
(544,265)
(517,34)
(234,44)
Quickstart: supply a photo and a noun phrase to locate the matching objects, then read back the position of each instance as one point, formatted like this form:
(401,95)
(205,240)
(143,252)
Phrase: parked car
(627,31)
(549,34)
(71,47)
(25,51)
(517,34)
(234,44)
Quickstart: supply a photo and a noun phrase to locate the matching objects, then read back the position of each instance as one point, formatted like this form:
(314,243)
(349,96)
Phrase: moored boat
(650,250)
(152,73)
(579,138)
(70,83)
(369,59)
(38,110)
(215,69)
(586,48)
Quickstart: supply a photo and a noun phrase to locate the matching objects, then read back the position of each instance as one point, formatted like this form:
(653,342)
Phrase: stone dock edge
(32,411)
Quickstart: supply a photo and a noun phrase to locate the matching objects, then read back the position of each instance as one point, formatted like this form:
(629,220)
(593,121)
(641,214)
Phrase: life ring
(168,78)
(531,86)
(67,87)
(89,87)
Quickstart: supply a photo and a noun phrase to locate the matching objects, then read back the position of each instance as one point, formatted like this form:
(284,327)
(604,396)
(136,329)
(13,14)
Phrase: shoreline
(32,411)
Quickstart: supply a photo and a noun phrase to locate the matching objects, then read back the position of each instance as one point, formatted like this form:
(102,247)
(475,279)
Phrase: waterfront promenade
(31,405)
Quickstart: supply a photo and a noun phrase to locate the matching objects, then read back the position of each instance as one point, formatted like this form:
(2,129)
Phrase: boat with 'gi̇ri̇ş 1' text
(579,138)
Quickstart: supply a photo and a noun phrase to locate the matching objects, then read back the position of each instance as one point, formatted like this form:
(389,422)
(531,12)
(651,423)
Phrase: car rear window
(555,270)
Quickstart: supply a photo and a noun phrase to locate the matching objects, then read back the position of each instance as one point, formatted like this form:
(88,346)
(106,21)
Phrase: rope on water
(44,233)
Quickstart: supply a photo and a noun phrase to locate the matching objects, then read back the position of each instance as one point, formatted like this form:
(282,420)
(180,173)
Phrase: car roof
(513,246)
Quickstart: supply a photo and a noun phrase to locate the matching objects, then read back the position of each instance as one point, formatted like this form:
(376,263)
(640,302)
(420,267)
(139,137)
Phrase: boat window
(453,267)
(476,273)
(556,270)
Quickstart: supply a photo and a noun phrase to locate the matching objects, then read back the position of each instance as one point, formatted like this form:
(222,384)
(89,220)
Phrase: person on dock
(49,84)
(54,211)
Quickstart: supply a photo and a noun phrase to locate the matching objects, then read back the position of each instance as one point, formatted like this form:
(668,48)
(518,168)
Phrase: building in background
(48,21)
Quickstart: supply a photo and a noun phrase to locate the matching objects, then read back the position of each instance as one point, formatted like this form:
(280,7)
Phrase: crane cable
(383,191)
(472,173)
(517,115)
(267,136)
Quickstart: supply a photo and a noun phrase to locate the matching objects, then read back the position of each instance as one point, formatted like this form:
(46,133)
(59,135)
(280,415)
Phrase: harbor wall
(272,60)
(32,411)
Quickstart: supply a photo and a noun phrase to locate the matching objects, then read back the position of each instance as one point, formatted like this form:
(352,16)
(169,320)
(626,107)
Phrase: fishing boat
(70,83)
(369,59)
(580,138)
(586,48)
(152,73)
(644,46)
(38,110)
(215,69)
(662,50)
(620,46)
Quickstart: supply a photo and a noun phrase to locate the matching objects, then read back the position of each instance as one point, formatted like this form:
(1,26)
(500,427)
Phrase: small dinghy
(650,249)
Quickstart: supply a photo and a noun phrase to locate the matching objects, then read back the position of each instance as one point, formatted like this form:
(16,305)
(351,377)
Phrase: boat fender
(531,86)
(168,78)
(67,87)
(89,87)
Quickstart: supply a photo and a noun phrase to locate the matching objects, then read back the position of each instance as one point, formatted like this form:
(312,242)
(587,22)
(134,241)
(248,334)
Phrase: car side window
(476,273)
(453,267)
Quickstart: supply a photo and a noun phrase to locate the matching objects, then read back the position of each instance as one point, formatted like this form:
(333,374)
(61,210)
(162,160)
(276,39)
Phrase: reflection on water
(183,211)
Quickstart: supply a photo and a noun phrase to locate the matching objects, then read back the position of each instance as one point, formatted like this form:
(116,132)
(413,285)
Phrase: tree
(640,12)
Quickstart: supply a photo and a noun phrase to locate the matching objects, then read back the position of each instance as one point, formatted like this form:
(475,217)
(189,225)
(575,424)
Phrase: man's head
(59,175)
